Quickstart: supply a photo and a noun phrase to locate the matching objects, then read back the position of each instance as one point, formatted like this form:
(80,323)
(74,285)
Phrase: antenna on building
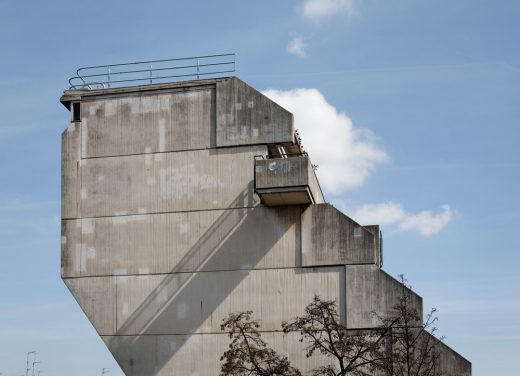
(152,71)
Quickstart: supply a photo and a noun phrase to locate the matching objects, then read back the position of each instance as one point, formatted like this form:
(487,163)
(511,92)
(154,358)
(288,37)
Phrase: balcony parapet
(330,237)
(287,179)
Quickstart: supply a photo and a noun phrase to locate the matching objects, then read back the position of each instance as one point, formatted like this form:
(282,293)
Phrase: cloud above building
(345,155)
(316,10)
(297,46)
(394,216)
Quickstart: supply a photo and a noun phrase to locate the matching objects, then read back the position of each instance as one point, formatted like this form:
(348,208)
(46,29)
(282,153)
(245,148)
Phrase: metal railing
(277,156)
(380,249)
(117,75)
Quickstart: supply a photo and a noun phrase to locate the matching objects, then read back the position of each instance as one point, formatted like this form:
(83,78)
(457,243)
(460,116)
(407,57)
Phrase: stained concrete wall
(163,236)
(70,182)
(196,354)
(329,237)
(283,173)
(154,122)
(452,363)
(166,182)
(182,242)
(369,289)
(246,117)
(181,303)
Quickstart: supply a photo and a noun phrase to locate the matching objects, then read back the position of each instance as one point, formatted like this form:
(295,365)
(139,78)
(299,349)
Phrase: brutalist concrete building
(183,202)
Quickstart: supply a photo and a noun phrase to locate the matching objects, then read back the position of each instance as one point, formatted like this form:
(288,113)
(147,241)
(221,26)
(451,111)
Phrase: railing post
(198,76)
(108,67)
(151,74)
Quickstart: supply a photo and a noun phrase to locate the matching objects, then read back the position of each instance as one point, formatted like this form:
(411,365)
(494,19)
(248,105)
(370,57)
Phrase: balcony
(287,179)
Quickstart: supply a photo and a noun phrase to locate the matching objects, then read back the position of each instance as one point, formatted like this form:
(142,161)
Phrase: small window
(76,111)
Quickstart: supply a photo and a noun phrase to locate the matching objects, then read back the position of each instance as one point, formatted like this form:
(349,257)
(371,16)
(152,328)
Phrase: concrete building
(183,202)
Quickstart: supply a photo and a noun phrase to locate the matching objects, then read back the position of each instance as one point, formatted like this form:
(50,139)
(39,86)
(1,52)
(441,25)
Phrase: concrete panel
(370,289)
(329,237)
(451,363)
(70,156)
(183,303)
(97,298)
(72,250)
(245,116)
(287,178)
(168,182)
(197,354)
(282,172)
(182,242)
(148,122)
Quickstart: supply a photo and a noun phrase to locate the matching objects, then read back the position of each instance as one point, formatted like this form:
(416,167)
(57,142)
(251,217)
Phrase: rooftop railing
(153,71)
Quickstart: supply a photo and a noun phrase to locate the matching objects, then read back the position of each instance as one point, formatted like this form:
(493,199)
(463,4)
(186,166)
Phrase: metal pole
(151,75)
(27,367)
(33,363)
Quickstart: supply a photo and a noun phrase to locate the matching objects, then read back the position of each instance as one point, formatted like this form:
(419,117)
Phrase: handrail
(275,156)
(198,66)
(380,249)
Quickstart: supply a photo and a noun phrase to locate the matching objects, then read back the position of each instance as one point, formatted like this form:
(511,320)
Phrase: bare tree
(403,345)
(414,347)
(354,352)
(248,353)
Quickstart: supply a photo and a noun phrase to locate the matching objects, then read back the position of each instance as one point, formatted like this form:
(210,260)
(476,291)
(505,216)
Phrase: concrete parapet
(246,117)
(287,181)
(329,237)
(451,363)
(369,289)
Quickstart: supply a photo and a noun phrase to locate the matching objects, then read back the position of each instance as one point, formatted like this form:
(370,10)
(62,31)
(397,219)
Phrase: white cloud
(316,10)
(426,223)
(345,155)
(297,46)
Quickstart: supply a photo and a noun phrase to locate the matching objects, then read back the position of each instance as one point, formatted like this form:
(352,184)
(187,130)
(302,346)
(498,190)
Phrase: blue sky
(424,93)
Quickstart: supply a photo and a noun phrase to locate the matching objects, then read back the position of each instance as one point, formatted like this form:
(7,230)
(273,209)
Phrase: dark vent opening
(76,111)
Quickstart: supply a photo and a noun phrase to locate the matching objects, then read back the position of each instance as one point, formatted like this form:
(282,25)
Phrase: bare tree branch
(248,353)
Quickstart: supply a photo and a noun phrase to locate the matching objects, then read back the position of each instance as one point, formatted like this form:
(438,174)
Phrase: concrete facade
(176,212)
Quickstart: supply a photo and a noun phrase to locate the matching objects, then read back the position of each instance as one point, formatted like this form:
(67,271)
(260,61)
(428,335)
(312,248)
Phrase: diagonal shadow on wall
(176,304)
